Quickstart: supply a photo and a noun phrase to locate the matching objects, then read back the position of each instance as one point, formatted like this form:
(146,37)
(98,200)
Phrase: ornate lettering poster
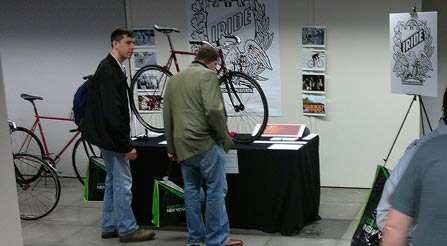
(414,61)
(256,23)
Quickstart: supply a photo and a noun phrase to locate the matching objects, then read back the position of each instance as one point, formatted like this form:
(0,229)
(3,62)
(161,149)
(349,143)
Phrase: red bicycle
(245,102)
(26,141)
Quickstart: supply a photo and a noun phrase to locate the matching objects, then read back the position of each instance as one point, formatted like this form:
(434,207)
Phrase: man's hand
(132,155)
(172,156)
(228,143)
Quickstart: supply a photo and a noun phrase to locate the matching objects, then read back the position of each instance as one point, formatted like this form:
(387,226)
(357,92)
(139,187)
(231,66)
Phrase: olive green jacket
(194,113)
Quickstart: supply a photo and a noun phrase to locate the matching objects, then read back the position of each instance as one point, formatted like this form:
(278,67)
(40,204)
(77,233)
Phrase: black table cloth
(274,191)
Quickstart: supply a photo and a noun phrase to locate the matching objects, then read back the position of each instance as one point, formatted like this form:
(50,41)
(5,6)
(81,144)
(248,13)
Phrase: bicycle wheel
(147,91)
(245,105)
(25,141)
(82,151)
(37,197)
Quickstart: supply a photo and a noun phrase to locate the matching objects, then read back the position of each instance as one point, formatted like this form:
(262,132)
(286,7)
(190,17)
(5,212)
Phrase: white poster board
(256,23)
(413,56)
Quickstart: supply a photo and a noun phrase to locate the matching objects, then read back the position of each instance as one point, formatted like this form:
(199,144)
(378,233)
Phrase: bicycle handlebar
(165,30)
(237,40)
(196,42)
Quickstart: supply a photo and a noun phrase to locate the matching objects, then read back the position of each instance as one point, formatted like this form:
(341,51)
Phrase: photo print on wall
(314,105)
(144,37)
(313,36)
(148,103)
(143,57)
(314,60)
(314,83)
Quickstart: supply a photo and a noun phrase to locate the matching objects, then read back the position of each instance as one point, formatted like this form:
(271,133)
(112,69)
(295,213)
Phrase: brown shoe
(139,235)
(235,242)
(109,234)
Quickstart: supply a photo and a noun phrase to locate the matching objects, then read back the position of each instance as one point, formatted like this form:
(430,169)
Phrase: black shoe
(110,234)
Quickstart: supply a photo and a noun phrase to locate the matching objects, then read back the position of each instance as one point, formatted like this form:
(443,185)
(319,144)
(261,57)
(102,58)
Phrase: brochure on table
(278,132)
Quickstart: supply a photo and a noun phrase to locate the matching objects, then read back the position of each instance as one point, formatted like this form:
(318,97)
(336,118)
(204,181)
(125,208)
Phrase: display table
(275,190)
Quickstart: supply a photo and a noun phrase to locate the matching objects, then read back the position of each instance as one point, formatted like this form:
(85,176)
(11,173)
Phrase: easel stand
(422,111)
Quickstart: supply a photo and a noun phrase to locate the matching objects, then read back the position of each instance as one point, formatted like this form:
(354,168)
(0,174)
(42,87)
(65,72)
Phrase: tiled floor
(75,222)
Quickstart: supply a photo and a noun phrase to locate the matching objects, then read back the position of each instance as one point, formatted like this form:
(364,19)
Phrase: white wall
(10,228)
(363,116)
(47,47)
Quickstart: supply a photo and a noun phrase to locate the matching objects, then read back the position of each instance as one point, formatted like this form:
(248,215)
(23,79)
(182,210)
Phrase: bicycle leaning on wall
(245,102)
(25,140)
(37,183)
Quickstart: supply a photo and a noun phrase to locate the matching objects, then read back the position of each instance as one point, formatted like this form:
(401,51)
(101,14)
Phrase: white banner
(256,23)
(414,60)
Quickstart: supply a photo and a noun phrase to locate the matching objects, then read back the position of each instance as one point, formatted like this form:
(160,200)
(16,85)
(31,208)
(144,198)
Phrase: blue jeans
(117,213)
(209,166)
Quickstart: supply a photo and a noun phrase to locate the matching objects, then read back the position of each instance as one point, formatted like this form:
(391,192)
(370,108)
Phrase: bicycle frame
(38,124)
(174,53)
(173,56)
(222,70)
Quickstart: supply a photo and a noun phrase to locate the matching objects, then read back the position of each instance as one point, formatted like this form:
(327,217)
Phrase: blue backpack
(79,100)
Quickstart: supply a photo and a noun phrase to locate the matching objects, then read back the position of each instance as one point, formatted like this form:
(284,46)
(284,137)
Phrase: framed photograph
(144,37)
(143,57)
(314,60)
(314,83)
(314,105)
(313,36)
(150,81)
(149,103)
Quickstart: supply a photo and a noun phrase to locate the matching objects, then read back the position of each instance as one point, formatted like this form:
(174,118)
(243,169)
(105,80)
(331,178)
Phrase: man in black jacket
(106,123)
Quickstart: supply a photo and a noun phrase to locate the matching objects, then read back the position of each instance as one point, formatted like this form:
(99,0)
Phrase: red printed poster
(284,130)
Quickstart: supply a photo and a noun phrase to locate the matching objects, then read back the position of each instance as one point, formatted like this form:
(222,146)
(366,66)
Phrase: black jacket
(106,121)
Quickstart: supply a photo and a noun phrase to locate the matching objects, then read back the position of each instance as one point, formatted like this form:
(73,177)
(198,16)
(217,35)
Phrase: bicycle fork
(230,88)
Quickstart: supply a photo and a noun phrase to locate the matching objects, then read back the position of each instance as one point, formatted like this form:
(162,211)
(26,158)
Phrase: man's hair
(206,54)
(119,34)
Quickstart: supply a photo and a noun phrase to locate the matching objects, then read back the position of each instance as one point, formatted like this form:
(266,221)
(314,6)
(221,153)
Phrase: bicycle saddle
(165,29)
(30,97)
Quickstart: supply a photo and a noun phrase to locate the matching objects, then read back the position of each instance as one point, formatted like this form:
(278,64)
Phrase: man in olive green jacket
(197,136)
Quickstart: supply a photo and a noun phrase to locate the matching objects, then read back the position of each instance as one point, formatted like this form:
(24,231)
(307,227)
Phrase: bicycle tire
(82,151)
(146,96)
(37,197)
(25,141)
(245,105)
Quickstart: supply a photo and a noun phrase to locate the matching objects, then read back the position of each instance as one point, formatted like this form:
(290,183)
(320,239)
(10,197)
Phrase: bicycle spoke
(245,105)
(147,89)
(38,195)
(82,150)
(25,141)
